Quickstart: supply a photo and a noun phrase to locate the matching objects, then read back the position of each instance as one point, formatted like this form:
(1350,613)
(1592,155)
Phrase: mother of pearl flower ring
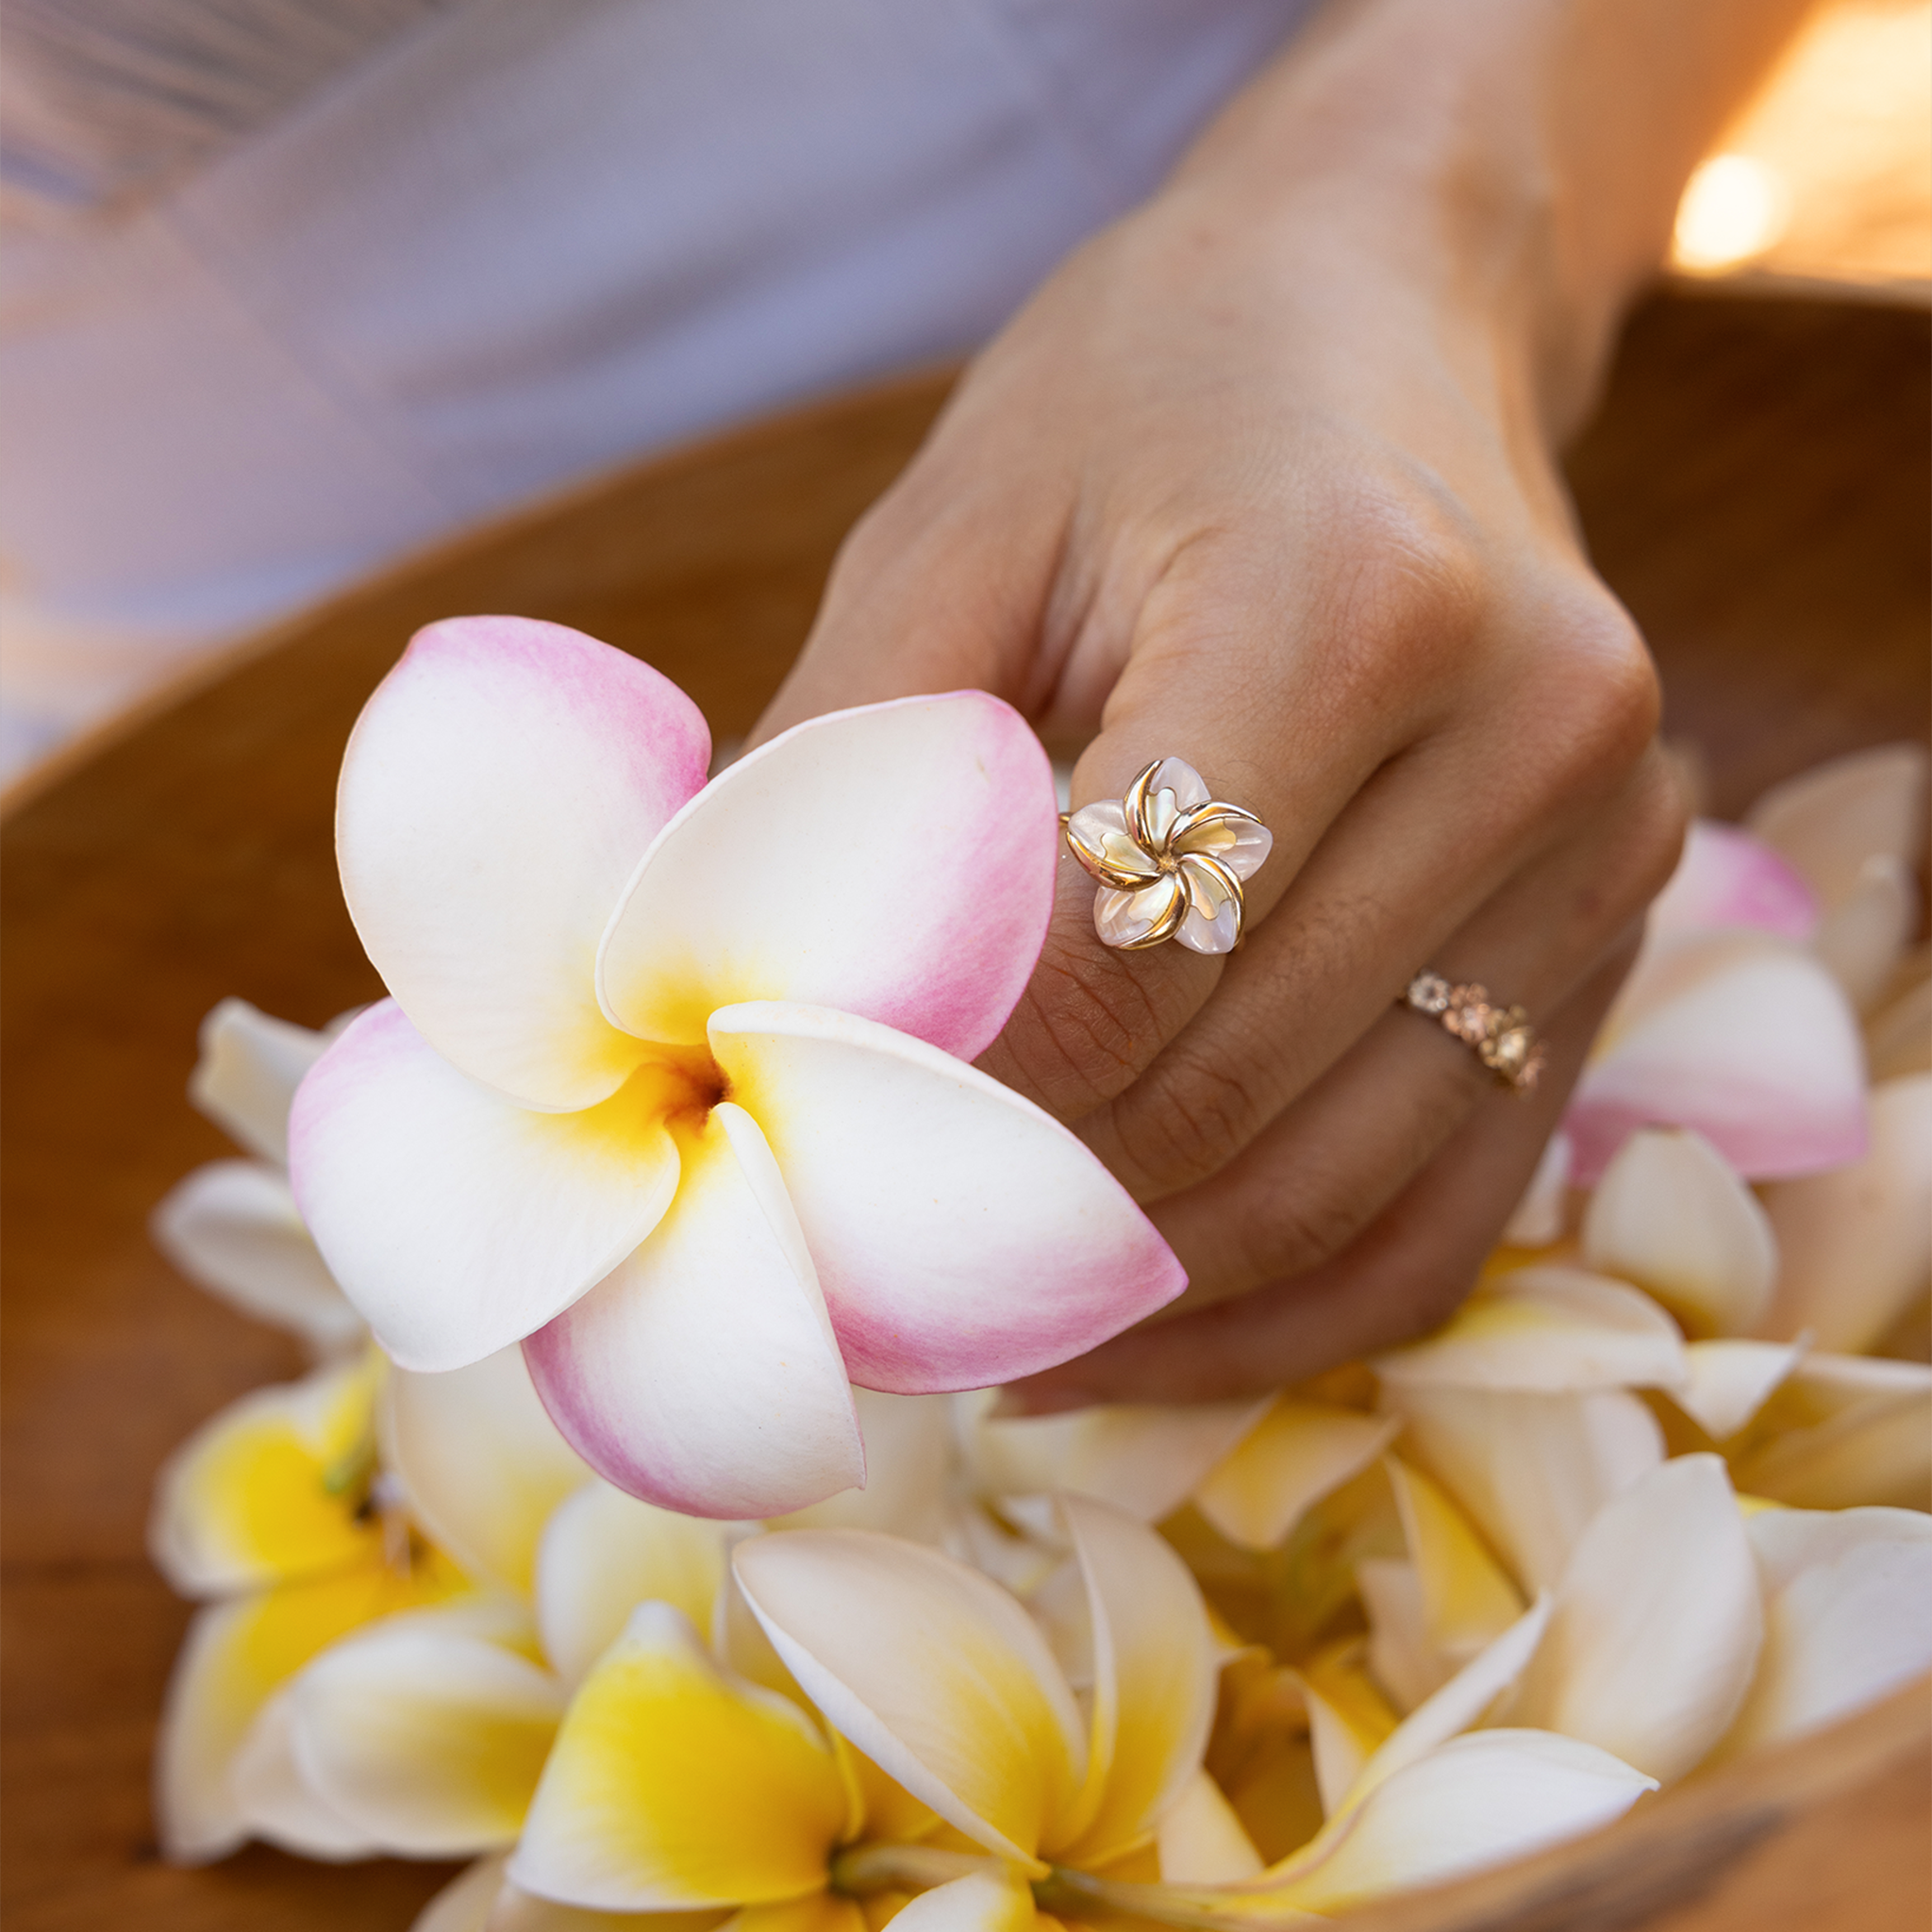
(1170,859)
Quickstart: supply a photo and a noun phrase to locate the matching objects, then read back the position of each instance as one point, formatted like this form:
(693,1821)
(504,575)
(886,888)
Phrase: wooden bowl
(1755,488)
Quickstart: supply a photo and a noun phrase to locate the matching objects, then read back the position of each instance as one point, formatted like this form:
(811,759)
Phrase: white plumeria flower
(1299,1452)
(693,1048)
(232,1227)
(1839,1432)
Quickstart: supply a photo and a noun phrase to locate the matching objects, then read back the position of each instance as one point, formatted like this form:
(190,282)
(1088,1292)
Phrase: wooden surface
(1755,488)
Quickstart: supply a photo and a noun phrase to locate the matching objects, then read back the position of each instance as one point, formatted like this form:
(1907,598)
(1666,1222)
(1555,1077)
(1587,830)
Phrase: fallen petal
(1726,876)
(1830,820)
(1656,1625)
(498,790)
(605,1553)
(702,1374)
(481,1463)
(1545,1328)
(1730,1381)
(962,1235)
(1865,936)
(1143,1458)
(232,1229)
(1670,1215)
(1299,1453)
(426,1737)
(1156,1669)
(278,1804)
(932,1671)
(455,1219)
(1467,1600)
(1845,1623)
(1531,1470)
(1856,1244)
(245,1079)
(1743,1037)
(895,861)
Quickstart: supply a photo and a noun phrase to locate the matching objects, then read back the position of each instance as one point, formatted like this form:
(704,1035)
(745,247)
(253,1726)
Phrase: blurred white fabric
(506,246)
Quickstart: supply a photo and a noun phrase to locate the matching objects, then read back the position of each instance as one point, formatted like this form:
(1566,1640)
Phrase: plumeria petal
(979,1902)
(497,792)
(1745,1038)
(1828,821)
(1099,834)
(269,1489)
(932,1671)
(276,1802)
(232,1227)
(236,1657)
(1531,1470)
(1349,1720)
(1478,1801)
(482,1899)
(1898,1036)
(1299,1453)
(424,1735)
(910,1449)
(1864,937)
(1142,1459)
(605,1553)
(245,1079)
(1657,1624)
(1670,1215)
(1840,1432)
(1539,1216)
(1468,1601)
(673,1785)
(1200,1840)
(1730,1381)
(962,1235)
(456,1221)
(1126,917)
(1545,1328)
(1459,1704)
(702,1374)
(1728,878)
(1846,1596)
(1401,1655)
(481,1463)
(894,861)
(1155,1668)
(1856,1244)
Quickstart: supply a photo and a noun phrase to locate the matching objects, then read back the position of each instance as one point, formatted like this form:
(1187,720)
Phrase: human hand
(1262,478)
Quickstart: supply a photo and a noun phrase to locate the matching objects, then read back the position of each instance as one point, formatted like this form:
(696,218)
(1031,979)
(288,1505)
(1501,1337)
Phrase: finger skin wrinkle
(1088,1024)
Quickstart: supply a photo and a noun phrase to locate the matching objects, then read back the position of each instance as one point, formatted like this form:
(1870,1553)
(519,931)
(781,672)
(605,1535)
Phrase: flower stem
(903,1867)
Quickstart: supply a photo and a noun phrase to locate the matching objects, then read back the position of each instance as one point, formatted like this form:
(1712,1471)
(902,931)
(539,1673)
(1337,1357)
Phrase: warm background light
(1828,175)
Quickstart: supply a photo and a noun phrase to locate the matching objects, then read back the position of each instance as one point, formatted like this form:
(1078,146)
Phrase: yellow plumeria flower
(275,1509)
(675,1786)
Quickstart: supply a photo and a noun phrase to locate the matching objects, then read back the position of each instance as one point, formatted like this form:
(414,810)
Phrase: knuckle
(1085,1027)
(1186,1117)
(1604,691)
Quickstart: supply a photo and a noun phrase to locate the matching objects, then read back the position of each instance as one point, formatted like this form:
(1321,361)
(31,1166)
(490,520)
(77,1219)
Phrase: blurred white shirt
(388,280)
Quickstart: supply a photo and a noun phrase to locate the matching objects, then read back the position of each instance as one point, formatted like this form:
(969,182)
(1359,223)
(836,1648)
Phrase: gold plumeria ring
(1171,862)
(1502,1036)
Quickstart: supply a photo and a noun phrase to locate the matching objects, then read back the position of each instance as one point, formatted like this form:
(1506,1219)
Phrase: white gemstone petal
(1241,845)
(1176,788)
(1214,919)
(1120,918)
(1100,830)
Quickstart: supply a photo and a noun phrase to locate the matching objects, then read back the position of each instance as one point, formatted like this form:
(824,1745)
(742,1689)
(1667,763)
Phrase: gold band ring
(1503,1037)
(1170,861)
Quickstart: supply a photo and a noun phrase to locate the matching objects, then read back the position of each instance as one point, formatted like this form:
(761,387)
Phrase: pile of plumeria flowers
(647,1530)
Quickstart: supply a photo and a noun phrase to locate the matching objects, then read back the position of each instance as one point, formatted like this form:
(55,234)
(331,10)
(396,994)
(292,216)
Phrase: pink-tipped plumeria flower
(673,1086)
(1729,1024)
